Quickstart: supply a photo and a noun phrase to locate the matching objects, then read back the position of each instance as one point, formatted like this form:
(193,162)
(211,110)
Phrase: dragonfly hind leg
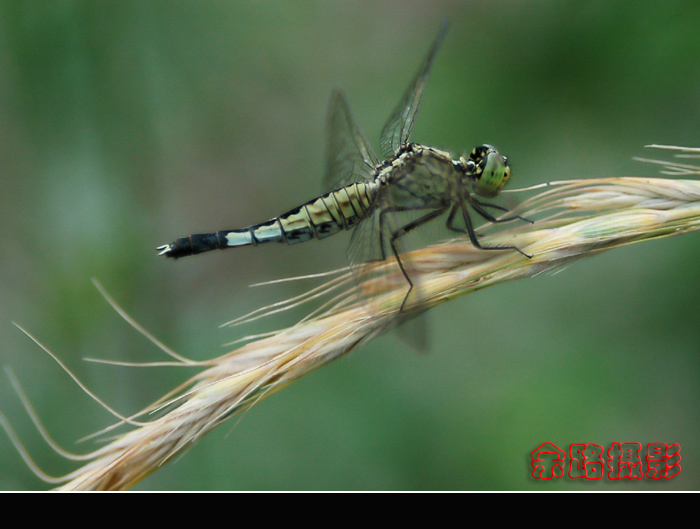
(470,227)
(401,232)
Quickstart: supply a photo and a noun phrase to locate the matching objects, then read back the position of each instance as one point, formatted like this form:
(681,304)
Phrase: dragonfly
(367,194)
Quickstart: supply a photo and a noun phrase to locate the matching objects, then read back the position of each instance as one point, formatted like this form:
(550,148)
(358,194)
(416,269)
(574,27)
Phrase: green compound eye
(492,174)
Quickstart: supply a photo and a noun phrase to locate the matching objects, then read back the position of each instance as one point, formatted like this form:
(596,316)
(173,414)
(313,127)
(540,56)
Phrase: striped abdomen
(328,214)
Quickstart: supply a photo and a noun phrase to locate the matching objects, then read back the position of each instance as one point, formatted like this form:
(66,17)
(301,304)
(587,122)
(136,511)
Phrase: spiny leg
(478,206)
(472,234)
(393,209)
(402,232)
(451,218)
(381,230)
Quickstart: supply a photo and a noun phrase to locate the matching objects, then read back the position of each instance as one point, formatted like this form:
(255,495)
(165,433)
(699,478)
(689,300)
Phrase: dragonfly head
(489,169)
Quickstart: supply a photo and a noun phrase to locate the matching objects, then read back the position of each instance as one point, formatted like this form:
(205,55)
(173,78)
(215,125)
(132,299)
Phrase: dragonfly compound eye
(492,174)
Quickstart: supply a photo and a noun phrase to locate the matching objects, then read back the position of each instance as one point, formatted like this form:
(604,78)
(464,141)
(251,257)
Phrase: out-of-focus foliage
(125,125)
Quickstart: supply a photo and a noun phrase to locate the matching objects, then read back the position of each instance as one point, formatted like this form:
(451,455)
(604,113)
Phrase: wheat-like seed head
(574,219)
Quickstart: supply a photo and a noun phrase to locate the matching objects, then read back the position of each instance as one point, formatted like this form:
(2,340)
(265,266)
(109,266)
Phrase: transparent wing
(369,241)
(376,271)
(398,128)
(349,156)
(416,333)
(371,244)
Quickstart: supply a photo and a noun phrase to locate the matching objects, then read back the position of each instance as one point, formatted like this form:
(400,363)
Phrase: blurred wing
(398,128)
(349,156)
(416,333)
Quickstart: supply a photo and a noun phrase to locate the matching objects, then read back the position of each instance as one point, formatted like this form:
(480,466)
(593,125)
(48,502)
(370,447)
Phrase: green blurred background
(127,124)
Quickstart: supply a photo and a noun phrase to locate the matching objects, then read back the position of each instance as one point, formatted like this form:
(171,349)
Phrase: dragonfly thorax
(420,177)
(487,169)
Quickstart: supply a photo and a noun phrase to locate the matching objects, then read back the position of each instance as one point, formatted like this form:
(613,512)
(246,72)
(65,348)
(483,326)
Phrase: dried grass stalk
(574,219)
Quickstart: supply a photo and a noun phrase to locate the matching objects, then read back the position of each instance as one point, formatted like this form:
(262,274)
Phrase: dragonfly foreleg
(479,208)
(472,234)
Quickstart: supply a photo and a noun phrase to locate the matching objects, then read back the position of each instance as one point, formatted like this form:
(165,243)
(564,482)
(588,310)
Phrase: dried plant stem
(574,219)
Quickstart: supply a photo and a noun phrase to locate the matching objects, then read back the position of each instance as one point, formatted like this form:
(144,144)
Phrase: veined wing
(373,241)
(349,156)
(398,128)
(371,245)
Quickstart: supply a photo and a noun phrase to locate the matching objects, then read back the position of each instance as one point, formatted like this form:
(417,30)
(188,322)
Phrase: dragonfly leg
(408,226)
(472,234)
(401,232)
(479,208)
(381,230)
